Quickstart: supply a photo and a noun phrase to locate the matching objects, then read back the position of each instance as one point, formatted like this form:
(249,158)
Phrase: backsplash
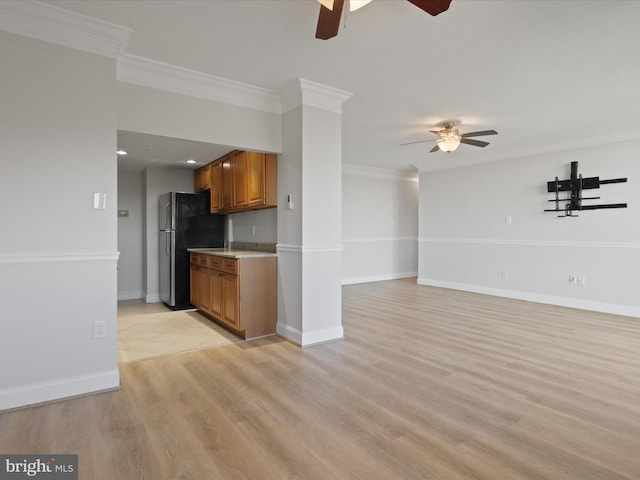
(256,247)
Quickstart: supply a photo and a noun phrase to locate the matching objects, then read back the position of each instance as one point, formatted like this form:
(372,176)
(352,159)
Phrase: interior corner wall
(379,226)
(468,242)
(289,248)
(130,234)
(58,255)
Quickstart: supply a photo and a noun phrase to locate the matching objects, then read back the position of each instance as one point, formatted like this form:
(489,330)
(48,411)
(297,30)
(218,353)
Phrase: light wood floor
(147,330)
(429,384)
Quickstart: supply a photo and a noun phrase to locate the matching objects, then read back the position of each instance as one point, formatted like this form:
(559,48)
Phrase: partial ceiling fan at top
(353,4)
(331,13)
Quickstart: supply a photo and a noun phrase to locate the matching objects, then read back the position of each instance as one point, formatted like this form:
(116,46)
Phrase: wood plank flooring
(429,384)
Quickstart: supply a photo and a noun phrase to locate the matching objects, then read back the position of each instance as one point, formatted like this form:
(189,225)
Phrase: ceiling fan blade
(435,149)
(434,131)
(475,143)
(479,134)
(329,20)
(419,141)
(432,7)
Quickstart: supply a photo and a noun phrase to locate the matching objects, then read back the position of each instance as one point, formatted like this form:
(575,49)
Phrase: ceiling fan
(451,138)
(331,12)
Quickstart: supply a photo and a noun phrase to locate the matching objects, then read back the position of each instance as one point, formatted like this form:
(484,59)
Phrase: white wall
(465,242)
(265,223)
(130,234)
(379,225)
(57,254)
(157,181)
(157,112)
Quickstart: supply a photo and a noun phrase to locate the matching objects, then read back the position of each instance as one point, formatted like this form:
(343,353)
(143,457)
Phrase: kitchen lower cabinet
(216,284)
(237,293)
(200,292)
(231,300)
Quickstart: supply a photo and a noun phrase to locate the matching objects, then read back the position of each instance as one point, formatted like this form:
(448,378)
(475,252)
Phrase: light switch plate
(100,201)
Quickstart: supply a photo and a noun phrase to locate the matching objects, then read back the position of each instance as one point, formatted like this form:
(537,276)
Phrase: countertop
(231,253)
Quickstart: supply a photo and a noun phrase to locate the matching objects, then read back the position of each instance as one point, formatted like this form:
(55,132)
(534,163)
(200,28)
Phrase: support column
(310,214)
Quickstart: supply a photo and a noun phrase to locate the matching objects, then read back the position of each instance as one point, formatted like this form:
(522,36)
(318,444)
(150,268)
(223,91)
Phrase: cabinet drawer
(230,265)
(194,258)
(216,263)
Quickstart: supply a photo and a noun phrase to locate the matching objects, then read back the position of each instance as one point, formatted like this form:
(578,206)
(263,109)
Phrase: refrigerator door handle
(168,224)
(173,267)
(168,244)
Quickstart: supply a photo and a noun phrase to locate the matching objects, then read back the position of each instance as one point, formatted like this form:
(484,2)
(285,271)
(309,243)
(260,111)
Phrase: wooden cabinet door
(231,302)
(194,292)
(216,280)
(255,177)
(206,177)
(204,290)
(227,181)
(240,196)
(197,180)
(216,187)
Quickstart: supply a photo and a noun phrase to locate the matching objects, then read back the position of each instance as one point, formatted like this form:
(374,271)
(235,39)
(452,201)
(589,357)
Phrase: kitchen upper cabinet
(240,181)
(215,191)
(254,180)
(227,181)
(202,178)
(239,175)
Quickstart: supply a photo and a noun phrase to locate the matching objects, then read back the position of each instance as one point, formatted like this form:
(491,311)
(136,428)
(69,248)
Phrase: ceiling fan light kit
(451,138)
(331,12)
(353,4)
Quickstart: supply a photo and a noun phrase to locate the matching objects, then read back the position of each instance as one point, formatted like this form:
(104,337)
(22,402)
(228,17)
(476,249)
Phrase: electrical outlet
(99,329)
(582,280)
(573,279)
(505,273)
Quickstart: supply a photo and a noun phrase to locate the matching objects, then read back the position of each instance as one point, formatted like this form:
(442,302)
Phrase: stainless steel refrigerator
(185,222)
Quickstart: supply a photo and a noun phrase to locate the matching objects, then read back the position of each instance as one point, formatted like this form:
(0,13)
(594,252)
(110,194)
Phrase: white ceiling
(547,75)
(144,150)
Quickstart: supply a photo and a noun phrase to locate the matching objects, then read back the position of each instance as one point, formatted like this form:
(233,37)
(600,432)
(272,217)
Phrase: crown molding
(63,27)
(171,78)
(306,92)
(531,243)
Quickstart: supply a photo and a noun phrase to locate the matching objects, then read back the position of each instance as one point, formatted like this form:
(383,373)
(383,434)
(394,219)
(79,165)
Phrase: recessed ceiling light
(191,161)
(121,152)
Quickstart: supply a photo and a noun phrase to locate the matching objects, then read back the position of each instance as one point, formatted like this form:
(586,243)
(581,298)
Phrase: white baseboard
(133,295)
(292,334)
(152,298)
(58,389)
(303,339)
(615,309)
(378,278)
(313,338)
